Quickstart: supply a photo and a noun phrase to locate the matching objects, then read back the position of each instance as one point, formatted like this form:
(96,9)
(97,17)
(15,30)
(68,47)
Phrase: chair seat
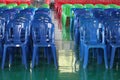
(14,44)
(115,44)
(96,45)
(43,44)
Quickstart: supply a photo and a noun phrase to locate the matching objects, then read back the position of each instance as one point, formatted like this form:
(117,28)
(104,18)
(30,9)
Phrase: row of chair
(96,29)
(87,1)
(21,6)
(18,1)
(27,29)
(65,13)
(14,5)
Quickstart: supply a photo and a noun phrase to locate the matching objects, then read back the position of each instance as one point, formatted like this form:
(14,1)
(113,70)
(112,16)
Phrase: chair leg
(37,58)
(1,52)
(45,52)
(54,56)
(11,55)
(105,58)
(112,57)
(81,52)
(34,56)
(24,56)
(10,58)
(4,57)
(48,55)
(99,56)
(85,62)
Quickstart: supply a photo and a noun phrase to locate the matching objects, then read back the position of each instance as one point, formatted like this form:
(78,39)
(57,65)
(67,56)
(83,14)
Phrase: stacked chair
(96,29)
(64,14)
(26,28)
(43,36)
(16,1)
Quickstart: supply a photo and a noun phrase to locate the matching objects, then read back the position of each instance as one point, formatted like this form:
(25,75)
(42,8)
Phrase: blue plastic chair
(75,13)
(78,14)
(2,34)
(43,11)
(42,17)
(16,36)
(2,9)
(27,11)
(41,36)
(92,28)
(116,13)
(114,38)
(9,14)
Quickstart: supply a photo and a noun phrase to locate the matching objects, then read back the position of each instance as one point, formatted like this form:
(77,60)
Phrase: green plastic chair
(89,6)
(19,7)
(101,6)
(2,4)
(13,4)
(45,6)
(65,35)
(113,6)
(78,6)
(66,9)
(24,5)
(9,6)
(31,6)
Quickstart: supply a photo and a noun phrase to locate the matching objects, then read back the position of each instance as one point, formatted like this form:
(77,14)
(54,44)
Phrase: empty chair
(113,38)
(93,38)
(2,35)
(16,37)
(42,36)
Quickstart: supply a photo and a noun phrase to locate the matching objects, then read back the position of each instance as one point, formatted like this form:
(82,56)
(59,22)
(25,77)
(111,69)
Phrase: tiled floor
(67,69)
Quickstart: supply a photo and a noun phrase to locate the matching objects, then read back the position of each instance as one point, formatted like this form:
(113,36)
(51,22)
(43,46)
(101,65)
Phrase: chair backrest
(109,11)
(28,17)
(116,14)
(78,13)
(43,11)
(100,6)
(114,30)
(66,8)
(42,18)
(2,28)
(16,32)
(93,30)
(78,6)
(99,14)
(10,14)
(39,32)
(114,6)
(89,6)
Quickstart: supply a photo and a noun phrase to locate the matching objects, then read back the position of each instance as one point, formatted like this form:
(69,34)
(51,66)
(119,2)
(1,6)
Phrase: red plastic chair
(25,1)
(116,2)
(2,1)
(47,1)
